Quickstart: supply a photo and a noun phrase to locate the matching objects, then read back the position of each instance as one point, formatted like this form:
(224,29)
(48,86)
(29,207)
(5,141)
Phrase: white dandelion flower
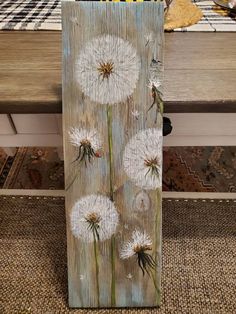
(107,69)
(140,245)
(140,241)
(94,218)
(142,159)
(78,136)
(88,143)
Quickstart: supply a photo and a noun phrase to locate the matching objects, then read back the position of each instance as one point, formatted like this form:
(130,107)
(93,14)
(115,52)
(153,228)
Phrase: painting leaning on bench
(112,117)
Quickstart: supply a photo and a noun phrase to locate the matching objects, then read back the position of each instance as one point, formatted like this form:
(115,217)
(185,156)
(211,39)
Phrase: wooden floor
(200,72)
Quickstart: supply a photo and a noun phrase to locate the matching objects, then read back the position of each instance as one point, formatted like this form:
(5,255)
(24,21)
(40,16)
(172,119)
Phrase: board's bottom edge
(114,307)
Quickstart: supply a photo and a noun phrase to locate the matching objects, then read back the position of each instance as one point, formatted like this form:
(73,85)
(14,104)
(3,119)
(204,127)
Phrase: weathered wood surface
(200,72)
(121,282)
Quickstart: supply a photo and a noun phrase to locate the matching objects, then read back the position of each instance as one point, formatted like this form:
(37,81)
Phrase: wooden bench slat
(200,72)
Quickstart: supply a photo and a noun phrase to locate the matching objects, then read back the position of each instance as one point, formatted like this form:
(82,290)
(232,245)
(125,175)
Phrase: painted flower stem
(158,224)
(111,170)
(110,144)
(113,283)
(67,187)
(158,219)
(158,292)
(95,248)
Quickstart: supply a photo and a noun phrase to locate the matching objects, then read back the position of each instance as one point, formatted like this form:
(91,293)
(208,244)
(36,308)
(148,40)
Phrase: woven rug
(198,257)
(46,15)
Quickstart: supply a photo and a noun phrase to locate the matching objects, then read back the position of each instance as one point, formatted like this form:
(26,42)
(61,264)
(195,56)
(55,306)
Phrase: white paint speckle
(129,276)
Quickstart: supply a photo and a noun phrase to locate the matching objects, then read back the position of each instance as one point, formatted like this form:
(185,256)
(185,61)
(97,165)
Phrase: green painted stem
(113,274)
(158,292)
(157,244)
(96,268)
(158,218)
(111,169)
(73,180)
(110,144)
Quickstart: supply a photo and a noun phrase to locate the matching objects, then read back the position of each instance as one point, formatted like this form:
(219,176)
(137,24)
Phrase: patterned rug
(46,15)
(33,168)
(199,169)
(199,269)
(185,169)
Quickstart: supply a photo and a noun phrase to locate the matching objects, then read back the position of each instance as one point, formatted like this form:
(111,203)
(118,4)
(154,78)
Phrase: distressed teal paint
(137,295)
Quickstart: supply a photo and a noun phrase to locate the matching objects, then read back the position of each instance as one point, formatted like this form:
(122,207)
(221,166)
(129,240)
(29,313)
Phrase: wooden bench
(199,88)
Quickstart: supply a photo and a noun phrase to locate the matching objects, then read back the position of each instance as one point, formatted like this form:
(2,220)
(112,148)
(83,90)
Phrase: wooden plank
(30,72)
(196,60)
(208,94)
(200,51)
(99,275)
(40,88)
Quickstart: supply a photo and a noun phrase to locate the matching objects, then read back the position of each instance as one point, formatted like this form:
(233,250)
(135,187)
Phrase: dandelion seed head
(107,69)
(79,136)
(142,159)
(93,217)
(94,211)
(140,242)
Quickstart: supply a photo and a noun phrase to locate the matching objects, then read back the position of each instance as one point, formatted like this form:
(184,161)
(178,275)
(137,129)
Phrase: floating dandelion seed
(94,218)
(129,276)
(139,246)
(126,226)
(150,38)
(143,158)
(135,114)
(107,69)
(74,20)
(88,143)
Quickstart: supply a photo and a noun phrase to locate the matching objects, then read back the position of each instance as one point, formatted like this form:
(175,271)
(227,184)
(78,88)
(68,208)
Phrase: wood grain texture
(30,72)
(121,282)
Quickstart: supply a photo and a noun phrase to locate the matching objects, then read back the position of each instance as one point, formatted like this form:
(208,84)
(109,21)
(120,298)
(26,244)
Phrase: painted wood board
(112,120)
